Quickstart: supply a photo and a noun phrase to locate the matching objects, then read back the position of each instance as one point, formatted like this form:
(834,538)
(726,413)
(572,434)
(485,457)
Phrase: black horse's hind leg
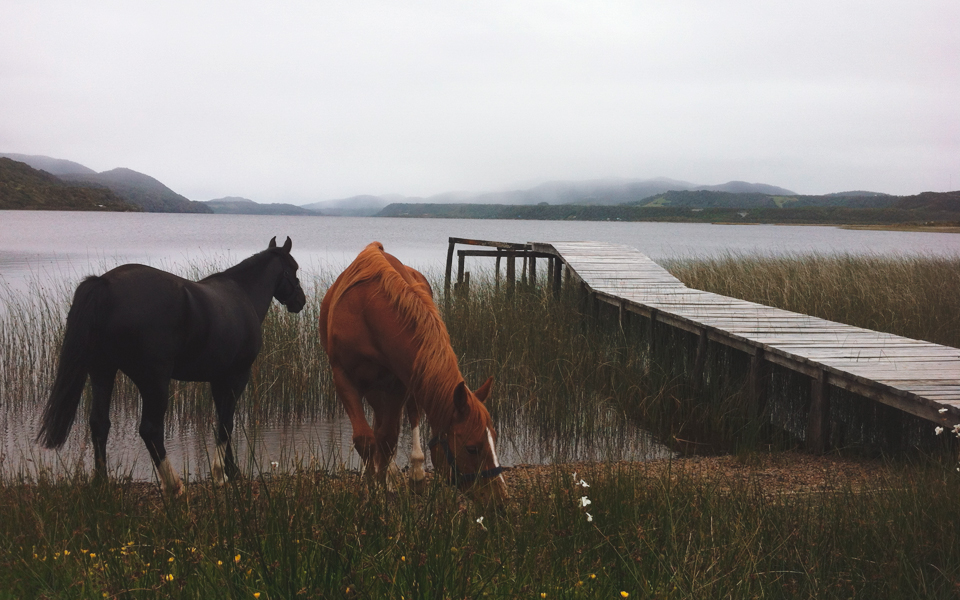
(155,395)
(101,380)
(225,396)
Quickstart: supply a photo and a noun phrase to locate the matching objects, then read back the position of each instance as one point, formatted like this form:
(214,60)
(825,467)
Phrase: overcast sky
(306,101)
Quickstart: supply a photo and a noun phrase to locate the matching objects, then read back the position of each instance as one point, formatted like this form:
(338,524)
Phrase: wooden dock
(916,377)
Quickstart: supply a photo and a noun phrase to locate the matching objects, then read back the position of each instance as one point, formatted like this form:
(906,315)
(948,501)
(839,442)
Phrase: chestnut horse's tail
(78,341)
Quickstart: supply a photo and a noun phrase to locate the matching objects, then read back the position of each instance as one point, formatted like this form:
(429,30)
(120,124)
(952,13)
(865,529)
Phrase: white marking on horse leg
(169,481)
(493,453)
(217,471)
(417,458)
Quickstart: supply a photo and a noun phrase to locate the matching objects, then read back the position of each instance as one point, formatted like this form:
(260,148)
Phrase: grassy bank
(662,531)
(649,532)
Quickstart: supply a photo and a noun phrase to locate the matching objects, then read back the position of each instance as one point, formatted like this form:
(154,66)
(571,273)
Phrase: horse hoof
(174,492)
(218,476)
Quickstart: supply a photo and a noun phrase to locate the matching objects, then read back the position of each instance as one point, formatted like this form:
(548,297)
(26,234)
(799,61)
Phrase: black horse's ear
(287,245)
(273,242)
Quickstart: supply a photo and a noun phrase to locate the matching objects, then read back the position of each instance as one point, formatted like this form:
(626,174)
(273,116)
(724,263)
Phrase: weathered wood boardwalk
(920,378)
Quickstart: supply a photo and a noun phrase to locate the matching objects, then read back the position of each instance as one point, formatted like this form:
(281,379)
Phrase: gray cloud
(314,100)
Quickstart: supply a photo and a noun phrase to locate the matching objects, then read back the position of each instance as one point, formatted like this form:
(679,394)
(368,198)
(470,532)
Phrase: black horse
(155,326)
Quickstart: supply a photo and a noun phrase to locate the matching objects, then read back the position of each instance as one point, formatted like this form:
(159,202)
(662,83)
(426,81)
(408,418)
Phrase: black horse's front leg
(225,396)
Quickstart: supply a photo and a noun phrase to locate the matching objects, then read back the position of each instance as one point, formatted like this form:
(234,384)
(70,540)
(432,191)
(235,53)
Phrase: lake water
(50,247)
(73,244)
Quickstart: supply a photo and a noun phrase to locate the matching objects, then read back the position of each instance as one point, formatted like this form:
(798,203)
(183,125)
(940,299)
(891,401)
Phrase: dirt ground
(782,473)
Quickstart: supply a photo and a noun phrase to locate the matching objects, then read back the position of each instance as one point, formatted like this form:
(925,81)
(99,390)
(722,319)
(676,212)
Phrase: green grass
(565,377)
(325,535)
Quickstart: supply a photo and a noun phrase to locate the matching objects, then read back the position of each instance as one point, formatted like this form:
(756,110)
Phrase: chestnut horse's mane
(435,371)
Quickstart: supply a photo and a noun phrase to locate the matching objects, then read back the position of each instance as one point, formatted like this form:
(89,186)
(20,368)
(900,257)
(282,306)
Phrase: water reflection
(318,443)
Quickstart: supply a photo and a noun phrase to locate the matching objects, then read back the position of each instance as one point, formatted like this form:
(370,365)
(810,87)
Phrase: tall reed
(911,296)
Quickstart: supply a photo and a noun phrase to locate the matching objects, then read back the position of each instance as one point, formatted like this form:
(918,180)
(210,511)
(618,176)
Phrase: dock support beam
(757,385)
(449,269)
(700,362)
(818,426)
(557,281)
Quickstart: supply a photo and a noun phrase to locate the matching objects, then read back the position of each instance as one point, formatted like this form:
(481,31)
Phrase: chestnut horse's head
(466,451)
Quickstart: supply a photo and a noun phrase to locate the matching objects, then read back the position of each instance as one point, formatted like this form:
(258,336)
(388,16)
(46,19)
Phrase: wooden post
(496,276)
(699,362)
(533,271)
(653,333)
(757,385)
(446,279)
(557,281)
(623,317)
(818,425)
(511,272)
(460,261)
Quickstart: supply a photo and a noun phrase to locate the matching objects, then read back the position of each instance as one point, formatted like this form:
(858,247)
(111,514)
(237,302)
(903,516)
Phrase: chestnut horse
(387,343)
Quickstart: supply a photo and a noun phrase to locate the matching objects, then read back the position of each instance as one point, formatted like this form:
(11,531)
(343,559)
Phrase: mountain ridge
(23,187)
(236,205)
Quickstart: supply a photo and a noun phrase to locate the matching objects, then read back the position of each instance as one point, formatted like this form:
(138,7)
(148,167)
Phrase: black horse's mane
(246,263)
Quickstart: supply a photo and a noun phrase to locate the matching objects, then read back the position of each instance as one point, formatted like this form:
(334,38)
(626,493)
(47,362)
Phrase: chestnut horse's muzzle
(458,477)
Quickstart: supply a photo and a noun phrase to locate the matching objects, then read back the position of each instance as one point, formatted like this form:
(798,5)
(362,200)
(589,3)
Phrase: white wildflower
(942,410)
(589,518)
(585,501)
(274,464)
(583,483)
(938,430)
(956,429)
(480,523)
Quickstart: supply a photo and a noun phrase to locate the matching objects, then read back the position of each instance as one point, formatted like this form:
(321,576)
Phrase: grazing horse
(155,326)
(387,343)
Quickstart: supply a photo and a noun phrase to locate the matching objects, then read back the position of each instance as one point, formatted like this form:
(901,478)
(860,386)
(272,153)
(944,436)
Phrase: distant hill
(705,206)
(234,205)
(142,190)
(355,206)
(602,192)
(715,199)
(945,201)
(136,188)
(857,193)
(54,166)
(742,187)
(24,188)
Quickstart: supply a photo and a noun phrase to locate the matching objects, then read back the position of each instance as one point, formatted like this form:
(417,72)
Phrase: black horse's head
(288,291)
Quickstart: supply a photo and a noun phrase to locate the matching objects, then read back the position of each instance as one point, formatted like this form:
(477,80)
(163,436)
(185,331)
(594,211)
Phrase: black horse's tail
(78,339)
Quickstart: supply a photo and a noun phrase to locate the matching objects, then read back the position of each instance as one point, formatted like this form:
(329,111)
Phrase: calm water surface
(74,244)
(50,248)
